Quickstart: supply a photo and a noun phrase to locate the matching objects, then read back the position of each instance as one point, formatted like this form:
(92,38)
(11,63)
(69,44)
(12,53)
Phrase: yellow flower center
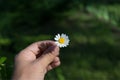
(61,40)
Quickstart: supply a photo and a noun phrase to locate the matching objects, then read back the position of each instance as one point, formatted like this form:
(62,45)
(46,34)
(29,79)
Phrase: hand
(33,62)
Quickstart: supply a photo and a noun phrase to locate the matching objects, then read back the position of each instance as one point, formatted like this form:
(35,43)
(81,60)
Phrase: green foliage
(2,60)
(2,64)
(110,14)
(93,28)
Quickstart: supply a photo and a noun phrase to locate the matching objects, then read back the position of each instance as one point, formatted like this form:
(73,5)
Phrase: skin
(33,62)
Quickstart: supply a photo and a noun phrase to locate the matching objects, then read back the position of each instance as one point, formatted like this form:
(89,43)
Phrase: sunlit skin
(33,62)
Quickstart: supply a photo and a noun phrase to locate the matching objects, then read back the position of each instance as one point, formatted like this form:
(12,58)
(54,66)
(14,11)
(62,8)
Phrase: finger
(54,64)
(43,46)
(38,47)
(48,56)
(56,59)
(34,51)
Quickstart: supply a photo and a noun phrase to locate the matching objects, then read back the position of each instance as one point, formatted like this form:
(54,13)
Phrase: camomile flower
(62,40)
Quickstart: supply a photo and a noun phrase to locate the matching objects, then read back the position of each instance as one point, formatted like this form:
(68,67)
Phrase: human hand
(33,62)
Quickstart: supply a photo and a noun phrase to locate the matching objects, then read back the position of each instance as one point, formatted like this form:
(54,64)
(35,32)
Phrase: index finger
(39,47)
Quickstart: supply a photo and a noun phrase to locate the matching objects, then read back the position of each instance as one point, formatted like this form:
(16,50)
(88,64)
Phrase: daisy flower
(62,40)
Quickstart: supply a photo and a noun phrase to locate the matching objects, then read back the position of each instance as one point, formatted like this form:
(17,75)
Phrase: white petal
(58,35)
(63,35)
(56,38)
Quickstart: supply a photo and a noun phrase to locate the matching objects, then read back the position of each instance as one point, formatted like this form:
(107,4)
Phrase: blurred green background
(93,27)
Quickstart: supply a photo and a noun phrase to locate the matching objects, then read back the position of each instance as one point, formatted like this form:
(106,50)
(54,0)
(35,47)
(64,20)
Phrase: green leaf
(2,60)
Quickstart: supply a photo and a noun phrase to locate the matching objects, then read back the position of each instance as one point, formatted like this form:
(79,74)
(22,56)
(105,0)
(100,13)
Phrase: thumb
(48,55)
